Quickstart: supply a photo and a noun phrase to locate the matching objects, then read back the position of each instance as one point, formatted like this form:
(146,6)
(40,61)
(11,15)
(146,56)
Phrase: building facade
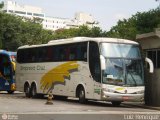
(150,43)
(50,23)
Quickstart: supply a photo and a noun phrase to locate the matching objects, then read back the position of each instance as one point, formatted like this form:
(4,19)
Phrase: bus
(105,69)
(7,71)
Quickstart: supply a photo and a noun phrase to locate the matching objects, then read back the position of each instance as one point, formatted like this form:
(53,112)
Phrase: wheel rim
(27,91)
(33,91)
(82,96)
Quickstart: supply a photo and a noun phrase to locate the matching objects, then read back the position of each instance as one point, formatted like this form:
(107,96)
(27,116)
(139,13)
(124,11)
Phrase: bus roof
(81,39)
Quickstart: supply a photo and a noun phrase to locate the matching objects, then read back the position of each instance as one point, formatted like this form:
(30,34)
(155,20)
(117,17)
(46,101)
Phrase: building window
(4,10)
(20,12)
(154,55)
(28,13)
(11,11)
(39,15)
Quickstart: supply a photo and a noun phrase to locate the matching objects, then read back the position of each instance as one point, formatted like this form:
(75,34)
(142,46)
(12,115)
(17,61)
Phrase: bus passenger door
(95,69)
(5,72)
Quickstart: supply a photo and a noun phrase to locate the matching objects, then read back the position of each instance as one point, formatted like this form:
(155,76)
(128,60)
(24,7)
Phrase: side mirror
(103,62)
(151,66)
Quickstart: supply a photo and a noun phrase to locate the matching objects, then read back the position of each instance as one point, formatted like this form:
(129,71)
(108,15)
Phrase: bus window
(6,66)
(72,55)
(49,55)
(94,61)
(82,51)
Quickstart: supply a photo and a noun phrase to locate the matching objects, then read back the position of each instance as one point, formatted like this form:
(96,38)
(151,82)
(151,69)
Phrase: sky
(106,12)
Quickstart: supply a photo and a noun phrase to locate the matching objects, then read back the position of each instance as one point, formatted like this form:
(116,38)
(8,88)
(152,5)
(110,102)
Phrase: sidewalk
(141,105)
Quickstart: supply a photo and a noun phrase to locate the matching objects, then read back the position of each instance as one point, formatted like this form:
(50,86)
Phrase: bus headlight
(140,92)
(108,90)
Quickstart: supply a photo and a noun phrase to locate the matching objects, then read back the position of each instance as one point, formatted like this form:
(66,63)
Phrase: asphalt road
(18,107)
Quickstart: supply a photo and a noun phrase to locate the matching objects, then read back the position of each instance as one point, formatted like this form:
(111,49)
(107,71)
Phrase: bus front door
(6,80)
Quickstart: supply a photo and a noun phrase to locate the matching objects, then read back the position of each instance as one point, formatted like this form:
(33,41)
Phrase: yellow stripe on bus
(57,75)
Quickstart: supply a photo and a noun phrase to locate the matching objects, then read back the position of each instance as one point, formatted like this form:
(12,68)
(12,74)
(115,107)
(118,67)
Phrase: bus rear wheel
(81,96)
(33,91)
(27,90)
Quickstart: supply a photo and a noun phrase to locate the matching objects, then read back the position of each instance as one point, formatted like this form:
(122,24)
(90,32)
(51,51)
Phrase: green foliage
(82,31)
(1,5)
(139,23)
(17,31)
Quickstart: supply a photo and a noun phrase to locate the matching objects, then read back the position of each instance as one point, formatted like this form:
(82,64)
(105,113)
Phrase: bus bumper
(108,96)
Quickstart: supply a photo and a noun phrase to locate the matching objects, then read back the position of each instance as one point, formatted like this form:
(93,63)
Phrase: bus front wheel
(10,92)
(116,103)
(81,95)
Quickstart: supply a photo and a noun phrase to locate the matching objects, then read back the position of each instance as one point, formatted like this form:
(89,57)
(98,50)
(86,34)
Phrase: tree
(16,31)
(139,23)
(1,5)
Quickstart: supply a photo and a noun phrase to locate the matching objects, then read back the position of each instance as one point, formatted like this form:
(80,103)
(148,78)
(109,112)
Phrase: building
(27,11)
(85,19)
(150,43)
(50,23)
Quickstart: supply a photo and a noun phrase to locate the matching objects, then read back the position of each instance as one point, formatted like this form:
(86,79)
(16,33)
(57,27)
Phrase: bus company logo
(4,116)
(9,117)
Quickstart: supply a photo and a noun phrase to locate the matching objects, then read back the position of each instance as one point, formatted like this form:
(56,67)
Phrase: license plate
(125,98)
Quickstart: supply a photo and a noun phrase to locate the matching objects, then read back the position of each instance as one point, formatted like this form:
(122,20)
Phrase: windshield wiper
(131,76)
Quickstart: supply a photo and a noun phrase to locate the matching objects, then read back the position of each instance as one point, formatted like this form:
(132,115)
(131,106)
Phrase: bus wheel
(10,92)
(33,91)
(116,103)
(27,90)
(81,95)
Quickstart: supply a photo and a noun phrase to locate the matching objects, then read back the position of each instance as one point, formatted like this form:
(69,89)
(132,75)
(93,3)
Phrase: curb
(144,106)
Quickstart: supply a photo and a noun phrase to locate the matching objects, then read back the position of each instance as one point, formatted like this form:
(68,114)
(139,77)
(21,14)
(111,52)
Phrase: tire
(81,96)
(33,91)
(10,92)
(27,91)
(60,97)
(116,103)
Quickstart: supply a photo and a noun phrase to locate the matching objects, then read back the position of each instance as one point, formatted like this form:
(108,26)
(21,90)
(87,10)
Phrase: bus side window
(82,51)
(49,54)
(6,65)
(72,55)
(94,61)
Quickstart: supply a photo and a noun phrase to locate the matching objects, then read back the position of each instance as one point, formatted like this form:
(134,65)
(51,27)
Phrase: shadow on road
(20,95)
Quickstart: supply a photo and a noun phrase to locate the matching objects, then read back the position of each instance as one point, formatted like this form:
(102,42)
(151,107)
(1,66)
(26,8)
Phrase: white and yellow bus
(107,69)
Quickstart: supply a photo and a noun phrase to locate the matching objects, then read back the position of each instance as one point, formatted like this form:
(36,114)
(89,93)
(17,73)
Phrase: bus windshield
(123,64)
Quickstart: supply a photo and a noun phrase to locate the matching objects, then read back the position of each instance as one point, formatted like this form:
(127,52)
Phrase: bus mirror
(151,66)
(103,62)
